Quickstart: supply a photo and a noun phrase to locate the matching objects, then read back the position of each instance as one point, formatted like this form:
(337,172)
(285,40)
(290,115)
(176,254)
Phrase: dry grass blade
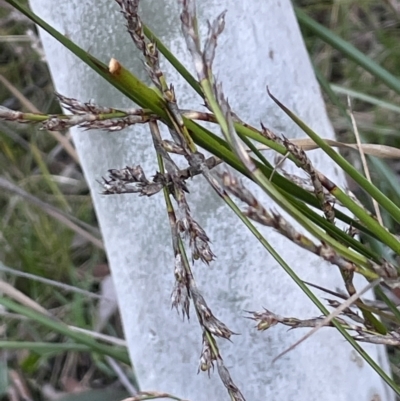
(364,161)
(152,395)
(20,386)
(123,378)
(47,281)
(100,336)
(31,304)
(331,316)
(10,291)
(15,38)
(381,151)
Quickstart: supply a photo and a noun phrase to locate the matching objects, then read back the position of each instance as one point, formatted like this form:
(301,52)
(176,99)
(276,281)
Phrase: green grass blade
(341,90)
(384,172)
(333,230)
(147,98)
(381,198)
(59,327)
(44,348)
(317,219)
(348,50)
(127,84)
(59,196)
(220,148)
(269,188)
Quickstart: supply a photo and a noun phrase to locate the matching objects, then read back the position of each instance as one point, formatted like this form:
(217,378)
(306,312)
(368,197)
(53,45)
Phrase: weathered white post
(261,45)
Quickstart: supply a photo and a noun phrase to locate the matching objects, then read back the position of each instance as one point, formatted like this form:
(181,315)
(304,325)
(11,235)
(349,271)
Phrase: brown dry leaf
(382,151)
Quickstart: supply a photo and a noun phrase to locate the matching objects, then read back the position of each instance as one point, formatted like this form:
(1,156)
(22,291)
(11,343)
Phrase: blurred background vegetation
(50,230)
